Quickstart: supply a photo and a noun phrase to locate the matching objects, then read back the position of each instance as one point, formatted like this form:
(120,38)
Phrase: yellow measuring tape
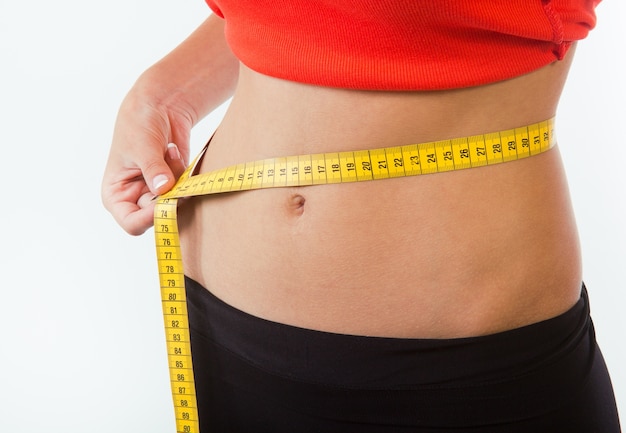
(301,170)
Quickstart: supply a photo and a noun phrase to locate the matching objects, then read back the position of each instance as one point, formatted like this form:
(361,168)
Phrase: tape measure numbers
(175,316)
(302,170)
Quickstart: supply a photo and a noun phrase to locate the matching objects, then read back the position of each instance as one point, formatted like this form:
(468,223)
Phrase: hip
(253,374)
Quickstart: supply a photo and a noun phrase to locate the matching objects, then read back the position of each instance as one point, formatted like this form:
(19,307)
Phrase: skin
(454,254)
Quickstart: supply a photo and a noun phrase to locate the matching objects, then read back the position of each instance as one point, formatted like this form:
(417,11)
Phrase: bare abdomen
(453,254)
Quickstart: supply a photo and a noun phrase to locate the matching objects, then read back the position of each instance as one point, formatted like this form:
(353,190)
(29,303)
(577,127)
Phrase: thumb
(157,174)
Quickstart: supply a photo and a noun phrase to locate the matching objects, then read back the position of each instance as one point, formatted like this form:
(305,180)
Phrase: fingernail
(173,152)
(159,181)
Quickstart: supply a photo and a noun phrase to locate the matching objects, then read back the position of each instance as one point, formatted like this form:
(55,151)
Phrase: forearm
(197,76)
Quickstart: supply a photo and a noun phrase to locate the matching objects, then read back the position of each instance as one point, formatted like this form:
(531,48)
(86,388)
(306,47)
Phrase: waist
(399,257)
(452,254)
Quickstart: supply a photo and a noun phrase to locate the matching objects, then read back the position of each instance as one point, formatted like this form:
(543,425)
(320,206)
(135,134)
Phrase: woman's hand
(149,152)
(150,147)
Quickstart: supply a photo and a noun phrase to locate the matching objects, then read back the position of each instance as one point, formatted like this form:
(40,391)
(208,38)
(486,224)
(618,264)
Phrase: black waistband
(374,362)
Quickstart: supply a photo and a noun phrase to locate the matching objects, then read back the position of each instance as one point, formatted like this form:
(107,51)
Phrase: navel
(295,204)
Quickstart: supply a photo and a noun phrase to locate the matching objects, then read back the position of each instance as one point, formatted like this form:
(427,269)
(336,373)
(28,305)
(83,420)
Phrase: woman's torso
(453,254)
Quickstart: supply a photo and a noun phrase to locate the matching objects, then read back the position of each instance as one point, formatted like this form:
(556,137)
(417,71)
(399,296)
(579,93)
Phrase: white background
(81,338)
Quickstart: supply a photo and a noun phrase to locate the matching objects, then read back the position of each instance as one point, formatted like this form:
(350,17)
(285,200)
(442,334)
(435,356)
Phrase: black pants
(253,375)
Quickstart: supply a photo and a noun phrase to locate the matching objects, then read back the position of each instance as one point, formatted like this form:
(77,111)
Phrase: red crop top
(402,44)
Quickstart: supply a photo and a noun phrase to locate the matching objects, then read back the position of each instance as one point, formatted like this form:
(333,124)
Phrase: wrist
(161,87)
(197,76)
